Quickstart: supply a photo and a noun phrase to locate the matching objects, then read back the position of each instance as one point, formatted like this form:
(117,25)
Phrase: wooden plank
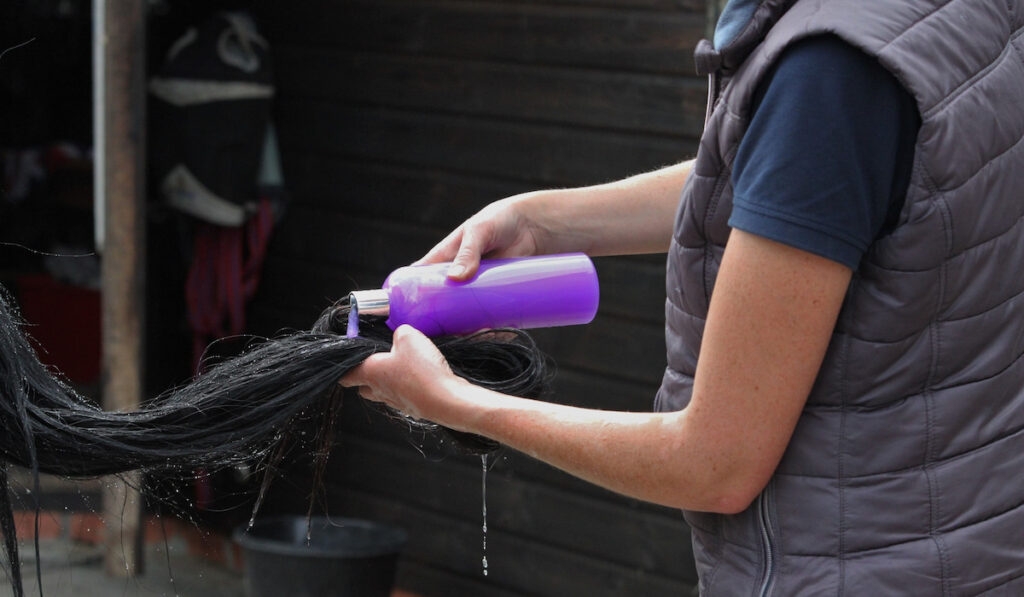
(514,564)
(610,347)
(306,284)
(526,33)
(432,198)
(521,466)
(272,320)
(626,101)
(335,239)
(642,539)
(429,197)
(421,578)
(632,288)
(542,155)
(585,389)
(448,534)
(362,421)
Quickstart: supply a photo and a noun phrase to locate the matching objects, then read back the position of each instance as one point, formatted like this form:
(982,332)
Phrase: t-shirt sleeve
(826,160)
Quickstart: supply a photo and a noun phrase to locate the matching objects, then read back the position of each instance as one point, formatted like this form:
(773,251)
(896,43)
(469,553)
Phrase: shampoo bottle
(528,292)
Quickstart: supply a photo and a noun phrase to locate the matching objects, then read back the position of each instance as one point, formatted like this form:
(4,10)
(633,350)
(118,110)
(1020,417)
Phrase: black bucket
(344,557)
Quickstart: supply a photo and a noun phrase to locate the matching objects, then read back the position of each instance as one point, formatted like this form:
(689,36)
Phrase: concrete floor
(181,559)
(74,569)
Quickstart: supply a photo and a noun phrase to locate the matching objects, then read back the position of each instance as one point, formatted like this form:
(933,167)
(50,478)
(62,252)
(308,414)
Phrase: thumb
(410,343)
(357,376)
(406,337)
(404,333)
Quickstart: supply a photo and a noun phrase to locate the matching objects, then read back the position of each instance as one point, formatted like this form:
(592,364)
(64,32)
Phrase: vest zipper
(764,522)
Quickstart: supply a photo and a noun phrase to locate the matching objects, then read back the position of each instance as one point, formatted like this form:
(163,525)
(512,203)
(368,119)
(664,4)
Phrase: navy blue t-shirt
(825,163)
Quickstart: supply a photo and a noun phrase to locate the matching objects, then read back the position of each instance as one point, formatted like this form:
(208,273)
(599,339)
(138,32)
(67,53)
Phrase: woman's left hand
(413,378)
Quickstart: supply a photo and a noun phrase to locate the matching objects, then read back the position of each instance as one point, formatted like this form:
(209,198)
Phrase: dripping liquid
(483,487)
(353,322)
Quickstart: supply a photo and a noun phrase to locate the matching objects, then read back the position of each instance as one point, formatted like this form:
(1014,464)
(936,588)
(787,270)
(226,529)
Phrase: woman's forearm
(647,456)
(630,216)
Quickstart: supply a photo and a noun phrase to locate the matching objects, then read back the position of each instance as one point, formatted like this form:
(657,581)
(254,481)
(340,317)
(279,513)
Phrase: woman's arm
(629,216)
(771,317)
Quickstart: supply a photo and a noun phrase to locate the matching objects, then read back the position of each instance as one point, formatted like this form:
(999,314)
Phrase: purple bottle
(527,292)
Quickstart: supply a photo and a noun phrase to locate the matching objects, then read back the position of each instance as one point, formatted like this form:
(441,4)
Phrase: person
(843,407)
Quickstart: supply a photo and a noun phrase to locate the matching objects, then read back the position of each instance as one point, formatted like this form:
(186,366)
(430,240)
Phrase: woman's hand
(499,230)
(413,378)
(626,217)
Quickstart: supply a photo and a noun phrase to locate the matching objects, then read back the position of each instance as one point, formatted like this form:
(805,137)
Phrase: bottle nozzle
(370,302)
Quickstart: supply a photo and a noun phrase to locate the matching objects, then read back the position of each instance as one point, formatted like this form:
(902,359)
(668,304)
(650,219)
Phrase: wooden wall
(400,118)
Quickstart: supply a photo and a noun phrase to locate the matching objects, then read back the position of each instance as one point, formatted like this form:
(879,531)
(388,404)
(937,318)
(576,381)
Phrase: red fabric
(224,275)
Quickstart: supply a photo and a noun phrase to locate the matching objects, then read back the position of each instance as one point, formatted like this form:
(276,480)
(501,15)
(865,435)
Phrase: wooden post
(119,62)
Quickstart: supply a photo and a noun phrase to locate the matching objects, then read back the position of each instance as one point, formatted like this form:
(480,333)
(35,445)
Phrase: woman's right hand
(502,229)
(626,217)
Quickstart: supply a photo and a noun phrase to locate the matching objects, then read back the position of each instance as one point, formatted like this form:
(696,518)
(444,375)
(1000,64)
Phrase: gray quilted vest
(905,475)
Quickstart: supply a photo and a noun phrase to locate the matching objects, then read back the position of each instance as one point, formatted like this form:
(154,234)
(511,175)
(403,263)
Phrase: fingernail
(456,271)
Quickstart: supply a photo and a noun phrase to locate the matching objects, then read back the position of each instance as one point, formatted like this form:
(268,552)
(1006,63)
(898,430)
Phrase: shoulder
(825,67)
(827,155)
